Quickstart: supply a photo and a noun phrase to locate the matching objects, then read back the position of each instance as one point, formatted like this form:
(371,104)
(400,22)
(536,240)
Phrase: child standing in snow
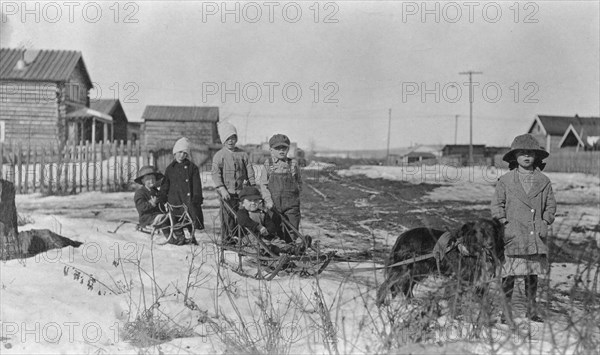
(182,185)
(525,204)
(282,182)
(231,169)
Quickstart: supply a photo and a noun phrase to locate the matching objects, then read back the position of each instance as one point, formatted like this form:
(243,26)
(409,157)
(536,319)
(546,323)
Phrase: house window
(2,131)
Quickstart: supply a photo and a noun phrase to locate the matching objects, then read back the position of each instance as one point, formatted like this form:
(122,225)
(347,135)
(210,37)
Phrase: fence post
(34,171)
(19,169)
(42,169)
(129,152)
(121,163)
(113,155)
(1,160)
(74,168)
(64,169)
(101,144)
(87,165)
(50,172)
(94,162)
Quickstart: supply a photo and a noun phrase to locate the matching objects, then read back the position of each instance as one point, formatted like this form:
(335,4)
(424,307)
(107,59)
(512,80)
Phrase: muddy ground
(355,206)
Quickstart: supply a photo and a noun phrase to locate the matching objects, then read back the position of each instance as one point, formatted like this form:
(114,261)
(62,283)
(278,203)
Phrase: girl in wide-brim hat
(525,204)
(525,142)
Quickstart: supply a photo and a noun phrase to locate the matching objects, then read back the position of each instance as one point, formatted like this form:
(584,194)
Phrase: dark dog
(475,251)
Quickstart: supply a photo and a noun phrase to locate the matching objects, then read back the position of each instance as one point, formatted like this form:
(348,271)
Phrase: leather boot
(531,282)
(508,284)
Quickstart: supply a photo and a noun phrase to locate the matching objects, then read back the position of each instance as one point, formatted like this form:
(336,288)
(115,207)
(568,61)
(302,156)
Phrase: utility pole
(470,73)
(455,128)
(387,155)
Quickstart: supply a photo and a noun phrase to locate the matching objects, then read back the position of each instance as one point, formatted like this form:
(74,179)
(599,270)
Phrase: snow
(476,183)
(45,308)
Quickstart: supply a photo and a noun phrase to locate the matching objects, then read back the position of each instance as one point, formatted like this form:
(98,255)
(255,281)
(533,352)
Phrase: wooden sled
(176,220)
(260,253)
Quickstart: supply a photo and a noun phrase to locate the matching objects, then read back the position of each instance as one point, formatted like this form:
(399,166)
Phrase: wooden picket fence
(76,168)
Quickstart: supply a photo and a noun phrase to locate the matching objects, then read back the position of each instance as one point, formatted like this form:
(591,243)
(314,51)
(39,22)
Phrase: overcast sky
(329,72)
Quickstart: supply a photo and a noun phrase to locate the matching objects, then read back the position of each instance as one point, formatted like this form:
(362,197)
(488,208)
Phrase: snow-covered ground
(80,300)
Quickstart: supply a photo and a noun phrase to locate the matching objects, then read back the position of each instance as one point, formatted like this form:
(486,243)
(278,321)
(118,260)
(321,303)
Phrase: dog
(473,253)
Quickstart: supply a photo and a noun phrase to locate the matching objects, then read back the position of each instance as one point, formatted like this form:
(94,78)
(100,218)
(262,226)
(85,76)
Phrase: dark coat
(525,233)
(145,209)
(271,221)
(182,186)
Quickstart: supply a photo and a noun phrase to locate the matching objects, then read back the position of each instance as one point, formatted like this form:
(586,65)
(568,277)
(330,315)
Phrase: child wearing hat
(182,186)
(265,224)
(525,204)
(252,216)
(231,169)
(146,198)
(282,182)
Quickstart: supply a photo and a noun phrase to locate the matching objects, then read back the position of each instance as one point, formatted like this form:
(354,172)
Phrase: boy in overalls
(283,181)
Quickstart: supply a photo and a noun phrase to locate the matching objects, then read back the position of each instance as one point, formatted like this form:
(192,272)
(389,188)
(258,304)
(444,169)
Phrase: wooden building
(104,121)
(42,93)
(461,152)
(164,125)
(583,135)
(550,131)
(134,131)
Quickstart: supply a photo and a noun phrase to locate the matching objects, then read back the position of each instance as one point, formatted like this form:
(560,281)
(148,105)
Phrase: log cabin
(45,99)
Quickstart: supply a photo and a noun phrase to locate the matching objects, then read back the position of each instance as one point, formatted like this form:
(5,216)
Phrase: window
(2,131)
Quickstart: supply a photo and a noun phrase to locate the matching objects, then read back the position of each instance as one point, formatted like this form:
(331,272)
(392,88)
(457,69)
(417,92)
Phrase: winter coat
(145,209)
(270,221)
(524,213)
(231,169)
(182,186)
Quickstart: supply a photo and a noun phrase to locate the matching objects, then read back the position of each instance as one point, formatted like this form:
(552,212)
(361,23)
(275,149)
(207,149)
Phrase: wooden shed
(164,125)
(42,93)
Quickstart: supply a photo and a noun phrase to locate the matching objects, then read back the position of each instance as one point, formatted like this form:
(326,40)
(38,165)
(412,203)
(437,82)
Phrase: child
(525,204)
(265,224)
(182,186)
(146,197)
(231,169)
(282,182)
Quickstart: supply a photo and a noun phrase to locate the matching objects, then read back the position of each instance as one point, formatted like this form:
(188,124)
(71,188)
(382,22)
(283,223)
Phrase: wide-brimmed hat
(250,193)
(147,170)
(279,140)
(525,142)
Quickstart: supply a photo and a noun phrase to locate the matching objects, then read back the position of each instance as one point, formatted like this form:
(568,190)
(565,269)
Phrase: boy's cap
(182,145)
(279,140)
(147,170)
(525,142)
(226,130)
(250,193)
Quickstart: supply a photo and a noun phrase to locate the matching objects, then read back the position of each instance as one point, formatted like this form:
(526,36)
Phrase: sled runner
(176,225)
(270,257)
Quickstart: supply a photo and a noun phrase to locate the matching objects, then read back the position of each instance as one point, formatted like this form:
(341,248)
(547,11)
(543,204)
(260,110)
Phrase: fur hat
(525,142)
(147,170)
(250,193)
(182,145)
(226,130)
(278,140)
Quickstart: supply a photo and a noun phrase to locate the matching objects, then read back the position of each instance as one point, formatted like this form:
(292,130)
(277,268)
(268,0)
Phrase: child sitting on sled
(265,224)
(146,198)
